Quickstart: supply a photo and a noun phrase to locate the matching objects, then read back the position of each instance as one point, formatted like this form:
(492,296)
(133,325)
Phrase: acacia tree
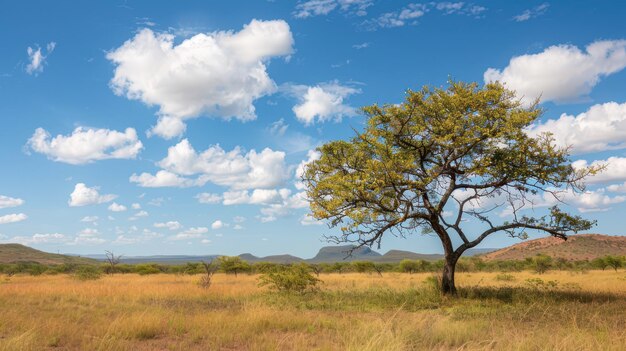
(461,149)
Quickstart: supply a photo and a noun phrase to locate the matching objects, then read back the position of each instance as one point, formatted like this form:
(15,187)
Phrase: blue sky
(179,127)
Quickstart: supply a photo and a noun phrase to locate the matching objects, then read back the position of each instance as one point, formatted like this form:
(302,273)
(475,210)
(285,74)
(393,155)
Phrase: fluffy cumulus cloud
(191,233)
(216,74)
(209,198)
(312,155)
(257,197)
(218,225)
(307,220)
(88,236)
(13,218)
(7,201)
(86,145)
(84,195)
(115,207)
(614,169)
(37,58)
(561,73)
(322,102)
(234,169)
(602,127)
(532,13)
(313,8)
(171,225)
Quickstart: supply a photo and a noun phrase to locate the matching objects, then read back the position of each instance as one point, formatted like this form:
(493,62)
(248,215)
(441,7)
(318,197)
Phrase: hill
(270,259)
(576,247)
(13,253)
(332,254)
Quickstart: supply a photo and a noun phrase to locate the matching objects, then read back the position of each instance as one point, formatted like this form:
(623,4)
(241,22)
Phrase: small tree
(409,266)
(112,261)
(599,262)
(207,276)
(614,262)
(542,263)
(464,150)
(296,278)
(233,265)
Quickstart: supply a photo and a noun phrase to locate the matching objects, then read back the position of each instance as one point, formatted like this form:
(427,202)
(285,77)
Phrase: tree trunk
(447,280)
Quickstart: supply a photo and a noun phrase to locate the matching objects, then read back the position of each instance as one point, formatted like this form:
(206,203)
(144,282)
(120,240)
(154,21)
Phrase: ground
(496,311)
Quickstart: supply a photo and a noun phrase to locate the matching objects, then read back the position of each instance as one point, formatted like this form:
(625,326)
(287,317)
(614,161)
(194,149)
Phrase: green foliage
(296,278)
(233,265)
(614,262)
(413,266)
(88,273)
(146,269)
(505,277)
(404,169)
(542,263)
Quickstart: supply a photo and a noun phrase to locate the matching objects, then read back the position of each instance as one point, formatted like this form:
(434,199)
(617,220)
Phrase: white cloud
(138,215)
(86,145)
(7,202)
(13,218)
(136,206)
(164,179)
(83,195)
(309,220)
(258,197)
(205,241)
(238,227)
(313,8)
(233,169)
(615,170)
(218,74)
(322,102)
(171,225)
(589,201)
(361,46)
(51,238)
(409,14)
(89,219)
(561,73)
(115,207)
(239,219)
(278,128)
(209,198)
(312,155)
(532,13)
(87,236)
(602,127)
(190,233)
(37,58)
(218,225)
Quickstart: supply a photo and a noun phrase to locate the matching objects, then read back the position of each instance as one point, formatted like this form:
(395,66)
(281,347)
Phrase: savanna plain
(558,310)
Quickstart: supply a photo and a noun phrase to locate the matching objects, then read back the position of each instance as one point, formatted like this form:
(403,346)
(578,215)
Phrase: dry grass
(352,312)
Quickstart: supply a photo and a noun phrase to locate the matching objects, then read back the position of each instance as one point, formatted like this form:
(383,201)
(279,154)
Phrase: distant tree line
(235,265)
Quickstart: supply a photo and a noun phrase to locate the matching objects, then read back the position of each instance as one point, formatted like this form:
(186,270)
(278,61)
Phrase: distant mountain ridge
(577,247)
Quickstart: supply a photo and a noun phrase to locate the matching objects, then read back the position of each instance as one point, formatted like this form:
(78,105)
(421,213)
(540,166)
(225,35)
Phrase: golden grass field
(586,311)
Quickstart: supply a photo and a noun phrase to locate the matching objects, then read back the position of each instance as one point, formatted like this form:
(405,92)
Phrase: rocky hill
(576,247)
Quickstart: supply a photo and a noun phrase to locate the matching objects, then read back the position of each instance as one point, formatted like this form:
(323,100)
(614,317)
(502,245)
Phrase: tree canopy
(438,158)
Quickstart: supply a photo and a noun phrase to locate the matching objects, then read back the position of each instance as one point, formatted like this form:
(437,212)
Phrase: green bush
(505,277)
(295,279)
(88,273)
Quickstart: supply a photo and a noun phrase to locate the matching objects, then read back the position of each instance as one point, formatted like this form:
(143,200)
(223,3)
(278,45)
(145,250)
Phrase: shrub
(88,273)
(145,269)
(505,277)
(296,278)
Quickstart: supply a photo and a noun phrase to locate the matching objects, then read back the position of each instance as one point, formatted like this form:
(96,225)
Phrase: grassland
(579,311)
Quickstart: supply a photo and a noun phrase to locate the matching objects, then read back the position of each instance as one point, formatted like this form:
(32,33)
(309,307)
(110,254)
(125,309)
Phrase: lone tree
(439,163)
